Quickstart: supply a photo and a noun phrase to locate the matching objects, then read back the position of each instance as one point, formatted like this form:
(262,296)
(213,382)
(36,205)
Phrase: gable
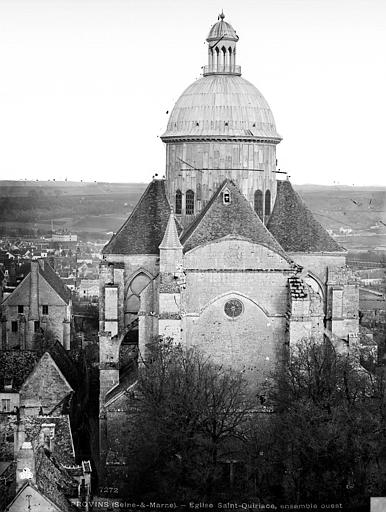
(50,290)
(234,218)
(36,500)
(231,252)
(20,294)
(48,295)
(45,386)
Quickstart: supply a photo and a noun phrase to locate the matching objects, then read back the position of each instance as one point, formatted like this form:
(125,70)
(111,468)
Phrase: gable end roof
(218,220)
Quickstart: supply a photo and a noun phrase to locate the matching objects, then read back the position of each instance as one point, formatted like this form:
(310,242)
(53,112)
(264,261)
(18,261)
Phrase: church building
(221,254)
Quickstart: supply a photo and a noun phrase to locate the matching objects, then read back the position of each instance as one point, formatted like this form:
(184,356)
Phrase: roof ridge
(54,280)
(187,233)
(217,221)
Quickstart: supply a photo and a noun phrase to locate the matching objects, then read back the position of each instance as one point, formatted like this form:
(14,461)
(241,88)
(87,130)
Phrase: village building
(220,254)
(37,451)
(40,303)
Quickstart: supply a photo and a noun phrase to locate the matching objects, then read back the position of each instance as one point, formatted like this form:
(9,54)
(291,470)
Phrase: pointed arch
(234,294)
(178,204)
(189,198)
(258,203)
(267,209)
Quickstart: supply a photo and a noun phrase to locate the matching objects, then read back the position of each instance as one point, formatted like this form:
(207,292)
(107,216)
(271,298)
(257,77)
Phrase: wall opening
(258,203)
(189,209)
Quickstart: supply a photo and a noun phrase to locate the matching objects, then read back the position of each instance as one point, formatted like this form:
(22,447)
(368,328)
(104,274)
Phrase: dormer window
(8,383)
(226,196)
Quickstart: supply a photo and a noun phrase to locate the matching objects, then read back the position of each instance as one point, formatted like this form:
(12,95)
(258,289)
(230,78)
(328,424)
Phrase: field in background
(356,215)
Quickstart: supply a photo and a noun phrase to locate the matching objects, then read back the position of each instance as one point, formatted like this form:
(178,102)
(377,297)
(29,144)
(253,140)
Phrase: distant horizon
(100,182)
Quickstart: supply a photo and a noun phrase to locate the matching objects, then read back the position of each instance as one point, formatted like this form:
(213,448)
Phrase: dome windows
(178,202)
(189,207)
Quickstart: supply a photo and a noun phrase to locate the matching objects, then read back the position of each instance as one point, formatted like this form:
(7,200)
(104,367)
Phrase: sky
(85,84)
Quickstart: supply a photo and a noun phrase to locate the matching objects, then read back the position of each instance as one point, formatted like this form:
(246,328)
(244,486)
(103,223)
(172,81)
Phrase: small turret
(170,248)
(222,41)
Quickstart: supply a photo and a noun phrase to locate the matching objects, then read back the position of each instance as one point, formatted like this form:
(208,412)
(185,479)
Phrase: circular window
(233,308)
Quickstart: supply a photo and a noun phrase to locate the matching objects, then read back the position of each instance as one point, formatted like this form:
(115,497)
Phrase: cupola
(222,41)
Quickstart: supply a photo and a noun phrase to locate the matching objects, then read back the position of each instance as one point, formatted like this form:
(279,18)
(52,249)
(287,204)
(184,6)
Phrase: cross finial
(222,15)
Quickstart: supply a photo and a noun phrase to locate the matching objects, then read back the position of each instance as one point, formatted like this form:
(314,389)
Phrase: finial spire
(221,16)
(171,239)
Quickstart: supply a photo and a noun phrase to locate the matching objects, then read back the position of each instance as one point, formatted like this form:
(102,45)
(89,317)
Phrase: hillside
(98,209)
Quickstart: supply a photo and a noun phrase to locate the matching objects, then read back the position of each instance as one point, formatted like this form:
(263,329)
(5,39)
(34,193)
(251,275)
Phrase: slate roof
(17,364)
(218,220)
(294,226)
(143,231)
(54,281)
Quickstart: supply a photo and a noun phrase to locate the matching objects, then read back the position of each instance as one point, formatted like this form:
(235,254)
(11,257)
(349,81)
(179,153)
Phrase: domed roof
(222,30)
(222,105)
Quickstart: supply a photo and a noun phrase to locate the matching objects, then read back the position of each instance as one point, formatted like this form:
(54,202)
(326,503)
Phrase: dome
(223,106)
(222,30)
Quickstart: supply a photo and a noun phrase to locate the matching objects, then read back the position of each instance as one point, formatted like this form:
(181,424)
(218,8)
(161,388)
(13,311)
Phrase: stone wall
(256,278)
(45,387)
(249,165)
(58,311)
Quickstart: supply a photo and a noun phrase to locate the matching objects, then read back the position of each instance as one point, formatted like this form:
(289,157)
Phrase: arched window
(137,285)
(178,202)
(258,203)
(267,209)
(224,59)
(189,202)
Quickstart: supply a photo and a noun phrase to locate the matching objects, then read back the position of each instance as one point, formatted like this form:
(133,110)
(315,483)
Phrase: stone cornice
(220,138)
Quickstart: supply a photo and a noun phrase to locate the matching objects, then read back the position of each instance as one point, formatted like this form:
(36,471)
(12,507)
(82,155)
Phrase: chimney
(25,465)
(34,291)
(19,437)
(47,436)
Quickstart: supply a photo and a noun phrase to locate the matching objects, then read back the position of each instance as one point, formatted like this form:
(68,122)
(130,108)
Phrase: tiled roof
(63,447)
(54,481)
(218,220)
(17,364)
(294,227)
(143,231)
(54,281)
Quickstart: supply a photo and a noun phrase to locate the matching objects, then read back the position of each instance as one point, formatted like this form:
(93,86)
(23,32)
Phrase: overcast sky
(85,85)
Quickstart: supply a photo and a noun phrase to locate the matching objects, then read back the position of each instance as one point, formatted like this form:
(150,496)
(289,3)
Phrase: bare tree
(189,413)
